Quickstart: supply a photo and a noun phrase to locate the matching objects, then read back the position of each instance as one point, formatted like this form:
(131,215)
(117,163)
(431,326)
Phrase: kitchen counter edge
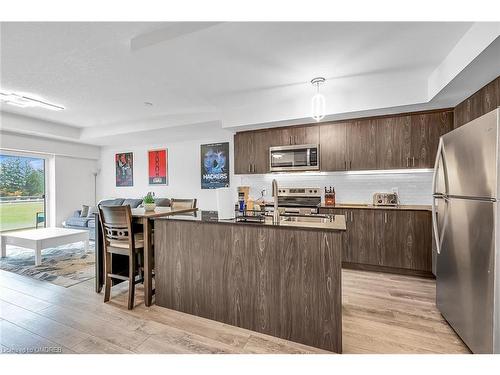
(354,206)
(339,225)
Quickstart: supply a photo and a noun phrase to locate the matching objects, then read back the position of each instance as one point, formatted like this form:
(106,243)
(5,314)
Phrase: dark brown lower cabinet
(398,241)
(277,280)
(360,234)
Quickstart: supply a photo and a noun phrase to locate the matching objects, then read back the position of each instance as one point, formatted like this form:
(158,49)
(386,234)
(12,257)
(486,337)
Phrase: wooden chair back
(179,204)
(116,225)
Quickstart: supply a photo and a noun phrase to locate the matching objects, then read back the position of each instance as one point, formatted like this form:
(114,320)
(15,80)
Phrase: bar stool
(119,238)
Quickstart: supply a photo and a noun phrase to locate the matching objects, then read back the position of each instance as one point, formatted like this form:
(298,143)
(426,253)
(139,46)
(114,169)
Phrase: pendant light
(318,101)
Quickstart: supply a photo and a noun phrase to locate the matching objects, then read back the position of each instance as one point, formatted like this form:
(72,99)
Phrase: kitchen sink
(306,219)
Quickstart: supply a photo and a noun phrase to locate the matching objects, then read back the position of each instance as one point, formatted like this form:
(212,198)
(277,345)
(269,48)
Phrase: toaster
(385,199)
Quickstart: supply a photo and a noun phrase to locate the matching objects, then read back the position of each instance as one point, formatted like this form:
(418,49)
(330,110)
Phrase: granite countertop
(336,222)
(408,207)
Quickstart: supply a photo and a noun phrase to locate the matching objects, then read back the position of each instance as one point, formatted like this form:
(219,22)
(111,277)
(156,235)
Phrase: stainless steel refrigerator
(466,231)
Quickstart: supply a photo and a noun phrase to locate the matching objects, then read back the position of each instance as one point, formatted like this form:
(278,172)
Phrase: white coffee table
(43,238)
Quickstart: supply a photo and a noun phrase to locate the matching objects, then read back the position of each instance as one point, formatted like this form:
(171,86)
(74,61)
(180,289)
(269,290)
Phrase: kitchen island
(279,279)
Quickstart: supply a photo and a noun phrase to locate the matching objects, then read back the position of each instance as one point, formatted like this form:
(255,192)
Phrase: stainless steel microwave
(294,158)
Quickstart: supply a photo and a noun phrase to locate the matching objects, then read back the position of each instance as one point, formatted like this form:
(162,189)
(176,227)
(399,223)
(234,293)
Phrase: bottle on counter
(250,204)
(241,202)
(330,196)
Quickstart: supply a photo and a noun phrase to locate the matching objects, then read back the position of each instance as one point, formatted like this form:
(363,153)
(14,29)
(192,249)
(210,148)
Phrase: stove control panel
(299,192)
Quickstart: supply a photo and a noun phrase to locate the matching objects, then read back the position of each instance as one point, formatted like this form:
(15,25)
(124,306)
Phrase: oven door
(293,158)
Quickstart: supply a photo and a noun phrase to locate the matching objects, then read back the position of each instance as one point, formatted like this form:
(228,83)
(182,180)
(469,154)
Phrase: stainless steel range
(303,201)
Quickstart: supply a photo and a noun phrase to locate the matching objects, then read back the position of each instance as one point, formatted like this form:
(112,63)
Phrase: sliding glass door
(22,192)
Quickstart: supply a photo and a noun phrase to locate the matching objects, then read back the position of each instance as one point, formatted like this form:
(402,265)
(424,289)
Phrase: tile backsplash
(414,187)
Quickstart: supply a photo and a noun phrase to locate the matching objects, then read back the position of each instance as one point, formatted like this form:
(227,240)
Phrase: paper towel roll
(225,204)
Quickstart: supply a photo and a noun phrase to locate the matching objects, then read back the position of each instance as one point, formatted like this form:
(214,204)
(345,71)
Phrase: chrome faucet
(276,212)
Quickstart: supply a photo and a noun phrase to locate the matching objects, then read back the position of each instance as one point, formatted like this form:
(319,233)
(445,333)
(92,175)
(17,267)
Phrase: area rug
(65,265)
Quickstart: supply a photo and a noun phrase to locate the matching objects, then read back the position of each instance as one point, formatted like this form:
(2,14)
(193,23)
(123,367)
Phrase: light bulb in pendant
(318,101)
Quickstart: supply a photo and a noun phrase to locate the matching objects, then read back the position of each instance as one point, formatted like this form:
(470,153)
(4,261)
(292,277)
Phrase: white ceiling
(233,74)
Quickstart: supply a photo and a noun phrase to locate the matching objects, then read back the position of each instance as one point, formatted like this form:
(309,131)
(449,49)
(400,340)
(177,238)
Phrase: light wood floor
(382,313)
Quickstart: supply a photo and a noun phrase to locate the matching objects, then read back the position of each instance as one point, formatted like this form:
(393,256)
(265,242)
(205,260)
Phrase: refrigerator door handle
(439,155)
(435,227)
(436,195)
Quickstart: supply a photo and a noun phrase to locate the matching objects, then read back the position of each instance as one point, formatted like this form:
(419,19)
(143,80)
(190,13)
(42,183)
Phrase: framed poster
(157,167)
(124,164)
(215,165)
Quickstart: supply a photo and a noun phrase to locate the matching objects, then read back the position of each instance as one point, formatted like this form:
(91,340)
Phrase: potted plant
(149,202)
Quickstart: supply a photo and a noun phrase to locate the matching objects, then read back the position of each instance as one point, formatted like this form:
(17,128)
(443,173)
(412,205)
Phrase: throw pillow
(85,211)
(92,211)
(162,202)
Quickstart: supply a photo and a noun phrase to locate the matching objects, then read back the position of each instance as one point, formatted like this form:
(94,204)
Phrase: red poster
(157,167)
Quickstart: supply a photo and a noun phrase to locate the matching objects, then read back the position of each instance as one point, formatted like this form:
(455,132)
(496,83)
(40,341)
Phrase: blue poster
(215,165)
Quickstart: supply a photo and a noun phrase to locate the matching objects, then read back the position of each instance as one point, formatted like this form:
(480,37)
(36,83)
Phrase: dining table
(143,221)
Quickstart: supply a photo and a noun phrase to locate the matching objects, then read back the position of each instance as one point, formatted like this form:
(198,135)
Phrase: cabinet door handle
(350,164)
(351,217)
(254,168)
(413,158)
(345,165)
(385,217)
(407,162)
(249,168)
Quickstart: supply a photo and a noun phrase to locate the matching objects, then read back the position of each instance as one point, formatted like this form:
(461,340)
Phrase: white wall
(183,171)
(73,186)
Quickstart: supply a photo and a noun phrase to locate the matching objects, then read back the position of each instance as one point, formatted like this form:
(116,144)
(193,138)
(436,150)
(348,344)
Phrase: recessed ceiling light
(23,101)
(149,104)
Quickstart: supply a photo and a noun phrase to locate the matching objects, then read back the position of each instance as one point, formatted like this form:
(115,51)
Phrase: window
(22,192)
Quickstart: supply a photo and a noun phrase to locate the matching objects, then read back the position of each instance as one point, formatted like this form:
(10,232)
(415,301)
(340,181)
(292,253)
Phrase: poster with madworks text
(124,166)
(215,165)
(157,167)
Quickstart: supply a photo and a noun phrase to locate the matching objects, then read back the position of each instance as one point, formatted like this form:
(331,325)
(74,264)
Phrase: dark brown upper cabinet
(478,104)
(426,129)
(294,135)
(306,135)
(384,142)
(410,141)
(393,139)
(361,150)
(261,157)
(251,152)
(243,147)
(333,143)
